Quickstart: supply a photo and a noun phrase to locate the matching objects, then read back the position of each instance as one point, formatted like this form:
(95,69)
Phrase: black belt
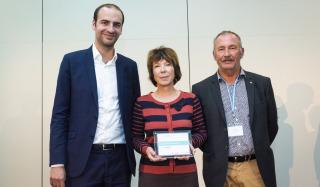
(241,158)
(104,147)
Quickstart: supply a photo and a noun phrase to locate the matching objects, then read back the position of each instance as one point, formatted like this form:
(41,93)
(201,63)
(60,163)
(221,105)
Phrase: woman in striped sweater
(166,109)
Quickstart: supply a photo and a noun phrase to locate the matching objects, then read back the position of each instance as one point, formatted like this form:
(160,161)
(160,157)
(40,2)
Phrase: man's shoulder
(125,59)
(206,80)
(256,76)
(73,58)
(79,52)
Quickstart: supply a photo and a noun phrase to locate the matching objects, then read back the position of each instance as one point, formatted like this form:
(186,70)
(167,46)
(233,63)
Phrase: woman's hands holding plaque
(186,157)
(151,154)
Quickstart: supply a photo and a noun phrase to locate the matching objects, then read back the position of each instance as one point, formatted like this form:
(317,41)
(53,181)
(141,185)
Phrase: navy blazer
(75,111)
(263,123)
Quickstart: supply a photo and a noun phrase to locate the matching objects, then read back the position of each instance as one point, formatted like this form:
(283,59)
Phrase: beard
(107,43)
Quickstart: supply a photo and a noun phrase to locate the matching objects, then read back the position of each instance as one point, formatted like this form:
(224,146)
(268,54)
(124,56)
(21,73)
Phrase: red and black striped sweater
(149,115)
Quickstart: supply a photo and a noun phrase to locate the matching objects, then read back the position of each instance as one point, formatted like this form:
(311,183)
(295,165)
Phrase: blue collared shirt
(238,145)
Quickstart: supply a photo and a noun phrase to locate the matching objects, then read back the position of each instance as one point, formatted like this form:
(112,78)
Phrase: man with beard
(241,119)
(90,138)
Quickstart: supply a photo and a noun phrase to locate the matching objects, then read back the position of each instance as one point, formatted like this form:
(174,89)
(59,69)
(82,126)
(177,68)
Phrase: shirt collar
(98,58)
(242,74)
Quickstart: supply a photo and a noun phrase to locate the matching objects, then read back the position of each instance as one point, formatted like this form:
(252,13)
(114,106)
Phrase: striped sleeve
(199,133)
(138,129)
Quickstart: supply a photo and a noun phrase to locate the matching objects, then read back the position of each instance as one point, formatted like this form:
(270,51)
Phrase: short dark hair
(227,32)
(95,15)
(168,54)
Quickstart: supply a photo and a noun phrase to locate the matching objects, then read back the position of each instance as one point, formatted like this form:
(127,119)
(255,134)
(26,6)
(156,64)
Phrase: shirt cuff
(57,165)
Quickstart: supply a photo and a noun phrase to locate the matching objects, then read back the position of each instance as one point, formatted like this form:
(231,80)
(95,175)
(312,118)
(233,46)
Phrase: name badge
(235,131)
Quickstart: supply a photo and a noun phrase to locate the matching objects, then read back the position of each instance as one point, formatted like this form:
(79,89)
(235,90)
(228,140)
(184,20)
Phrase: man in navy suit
(90,138)
(241,119)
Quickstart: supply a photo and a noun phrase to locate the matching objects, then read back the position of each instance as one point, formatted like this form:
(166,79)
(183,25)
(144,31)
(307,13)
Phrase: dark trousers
(107,168)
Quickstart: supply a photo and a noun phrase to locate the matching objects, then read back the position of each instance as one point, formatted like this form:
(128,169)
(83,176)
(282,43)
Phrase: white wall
(281,40)
(20,94)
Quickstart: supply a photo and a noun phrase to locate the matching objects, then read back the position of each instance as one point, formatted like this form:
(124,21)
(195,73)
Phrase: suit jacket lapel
(89,64)
(215,88)
(250,92)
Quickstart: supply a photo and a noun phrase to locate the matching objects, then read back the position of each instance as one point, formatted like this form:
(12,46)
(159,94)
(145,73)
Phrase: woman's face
(163,73)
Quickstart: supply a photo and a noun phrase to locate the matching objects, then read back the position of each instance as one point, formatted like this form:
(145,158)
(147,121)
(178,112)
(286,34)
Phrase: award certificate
(172,144)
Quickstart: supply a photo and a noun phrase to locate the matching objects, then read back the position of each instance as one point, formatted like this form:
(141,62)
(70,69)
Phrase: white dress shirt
(110,126)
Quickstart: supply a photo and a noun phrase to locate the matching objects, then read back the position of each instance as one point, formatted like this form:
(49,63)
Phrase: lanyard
(232,99)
